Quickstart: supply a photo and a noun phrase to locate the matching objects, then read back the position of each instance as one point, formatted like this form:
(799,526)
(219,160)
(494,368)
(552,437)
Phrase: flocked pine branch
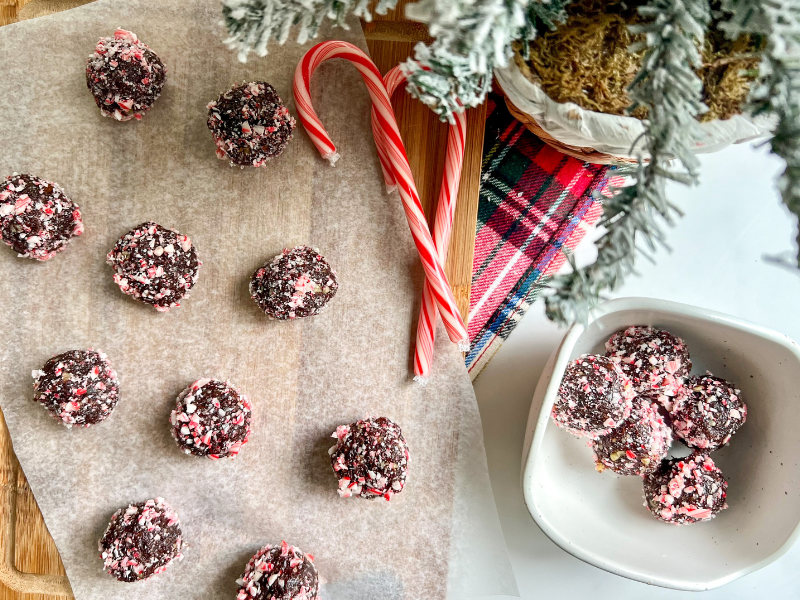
(633,218)
(777,90)
(455,71)
(252,24)
(472,38)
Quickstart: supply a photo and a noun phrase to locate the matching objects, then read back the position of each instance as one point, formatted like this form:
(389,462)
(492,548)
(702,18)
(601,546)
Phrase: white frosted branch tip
(463,345)
(332,158)
(423,381)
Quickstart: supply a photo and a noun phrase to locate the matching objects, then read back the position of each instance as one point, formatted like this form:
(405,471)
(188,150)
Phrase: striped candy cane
(442,226)
(394,152)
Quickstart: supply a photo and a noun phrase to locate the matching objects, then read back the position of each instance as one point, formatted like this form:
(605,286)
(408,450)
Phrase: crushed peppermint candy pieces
(279,573)
(250,124)
(78,387)
(708,413)
(297,283)
(656,361)
(370,459)
(211,419)
(124,76)
(638,445)
(156,265)
(37,219)
(686,490)
(594,397)
(141,541)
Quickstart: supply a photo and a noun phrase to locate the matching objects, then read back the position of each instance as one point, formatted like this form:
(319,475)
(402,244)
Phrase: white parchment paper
(440,537)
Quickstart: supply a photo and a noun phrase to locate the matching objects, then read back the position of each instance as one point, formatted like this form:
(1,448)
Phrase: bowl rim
(538,422)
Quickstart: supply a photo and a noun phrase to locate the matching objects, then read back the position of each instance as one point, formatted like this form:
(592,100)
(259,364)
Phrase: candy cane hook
(394,153)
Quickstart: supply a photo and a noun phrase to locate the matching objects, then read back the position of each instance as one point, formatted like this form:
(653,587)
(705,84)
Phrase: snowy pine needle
(633,218)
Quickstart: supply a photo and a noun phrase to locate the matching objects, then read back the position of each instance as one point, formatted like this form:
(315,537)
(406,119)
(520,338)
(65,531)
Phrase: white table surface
(732,220)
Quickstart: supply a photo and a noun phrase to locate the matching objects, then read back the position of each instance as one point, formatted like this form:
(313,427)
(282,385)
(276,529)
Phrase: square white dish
(600,517)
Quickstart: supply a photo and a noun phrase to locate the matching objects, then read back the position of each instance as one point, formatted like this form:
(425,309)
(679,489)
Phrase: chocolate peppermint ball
(279,573)
(656,361)
(594,397)
(124,76)
(250,124)
(638,445)
(686,490)
(141,540)
(155,265)
(708,413)
(212,419)
(297,283)
(78,387)
(370,458)
(36,218)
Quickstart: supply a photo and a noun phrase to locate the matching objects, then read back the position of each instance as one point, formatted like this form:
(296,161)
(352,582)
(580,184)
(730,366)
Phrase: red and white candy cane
(442,225)
(394,153)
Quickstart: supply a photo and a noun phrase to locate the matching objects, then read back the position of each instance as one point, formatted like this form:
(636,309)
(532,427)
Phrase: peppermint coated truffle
(250,124)
(370,459)
(124,76)
(594,397)
(686,490)
(656,361)
(78,387)
(279,573)
(297,283)
(141,540)
(638,445)
(211,419)
(709,412)
(36,218)
(155,265)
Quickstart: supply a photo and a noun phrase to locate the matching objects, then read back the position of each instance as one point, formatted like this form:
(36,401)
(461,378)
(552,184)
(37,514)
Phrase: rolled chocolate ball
(250,124)
(37,219)
(656,361)
(594,397)
(124,76)
(141,541)
(708,413)
(638,445)
(156,265)
(78,387)
(279,573)
(686,490)
(370,459)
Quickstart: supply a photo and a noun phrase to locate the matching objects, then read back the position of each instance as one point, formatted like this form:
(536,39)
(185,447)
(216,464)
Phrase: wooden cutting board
(30,568)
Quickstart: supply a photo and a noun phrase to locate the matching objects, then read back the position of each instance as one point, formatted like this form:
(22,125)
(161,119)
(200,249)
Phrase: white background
(733,219)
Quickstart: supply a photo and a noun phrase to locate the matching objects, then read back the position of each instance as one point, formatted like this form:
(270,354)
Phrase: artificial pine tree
(473,37)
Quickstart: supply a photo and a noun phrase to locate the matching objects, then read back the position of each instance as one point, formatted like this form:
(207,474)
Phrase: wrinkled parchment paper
(440,537)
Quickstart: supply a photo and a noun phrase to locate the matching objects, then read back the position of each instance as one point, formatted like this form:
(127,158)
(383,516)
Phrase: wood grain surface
(30,567)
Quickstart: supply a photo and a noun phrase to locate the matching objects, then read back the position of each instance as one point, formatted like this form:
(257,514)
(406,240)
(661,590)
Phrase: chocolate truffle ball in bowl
(37,219)
(250,124)
(156,265)
(638,445)
(141,541)
(686,490)
(370,459)
(211,419)
(656,361)
(124,76)
(297,283)
(279,573)
(78,387)
(708,412)
(594,397)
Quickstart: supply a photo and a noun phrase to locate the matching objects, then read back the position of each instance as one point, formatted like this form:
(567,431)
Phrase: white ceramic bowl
(600,517)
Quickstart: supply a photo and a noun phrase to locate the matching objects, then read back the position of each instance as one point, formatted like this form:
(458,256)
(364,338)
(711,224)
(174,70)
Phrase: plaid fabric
(534,201)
